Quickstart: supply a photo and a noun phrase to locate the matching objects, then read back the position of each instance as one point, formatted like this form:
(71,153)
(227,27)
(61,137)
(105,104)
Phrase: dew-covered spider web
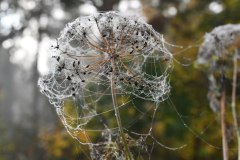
(109,74)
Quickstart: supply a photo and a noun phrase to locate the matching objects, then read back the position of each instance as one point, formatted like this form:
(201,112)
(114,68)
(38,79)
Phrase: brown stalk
(233,105)
(117,114)
(223,125)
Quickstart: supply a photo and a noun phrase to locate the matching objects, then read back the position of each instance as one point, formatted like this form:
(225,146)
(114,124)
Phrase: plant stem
(117,114)
(233,105)
(223,124)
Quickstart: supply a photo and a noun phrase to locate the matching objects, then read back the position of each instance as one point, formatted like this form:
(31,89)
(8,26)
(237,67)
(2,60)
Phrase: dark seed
(69,78)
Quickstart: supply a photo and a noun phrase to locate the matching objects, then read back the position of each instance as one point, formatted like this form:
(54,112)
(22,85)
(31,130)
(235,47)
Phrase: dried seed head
(94,50)
(85,48)
(216,42)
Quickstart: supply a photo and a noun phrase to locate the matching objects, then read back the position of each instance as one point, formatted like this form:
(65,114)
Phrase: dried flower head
(217,41)
(96,50)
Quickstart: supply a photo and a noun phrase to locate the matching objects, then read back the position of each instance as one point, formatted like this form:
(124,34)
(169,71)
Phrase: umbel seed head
(88,47)
(96,53)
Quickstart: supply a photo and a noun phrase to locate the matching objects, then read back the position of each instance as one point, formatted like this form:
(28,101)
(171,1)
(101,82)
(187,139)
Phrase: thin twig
(223,124)
(234,112)
(117,114)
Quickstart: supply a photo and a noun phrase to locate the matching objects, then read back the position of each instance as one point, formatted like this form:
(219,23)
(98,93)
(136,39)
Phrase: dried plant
(218,52)
(103,57)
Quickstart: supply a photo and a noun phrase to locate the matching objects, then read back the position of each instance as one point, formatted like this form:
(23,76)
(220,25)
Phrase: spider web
(104,64)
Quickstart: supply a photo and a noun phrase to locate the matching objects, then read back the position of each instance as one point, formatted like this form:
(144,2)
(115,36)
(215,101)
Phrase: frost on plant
(214,52)
(91,53)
